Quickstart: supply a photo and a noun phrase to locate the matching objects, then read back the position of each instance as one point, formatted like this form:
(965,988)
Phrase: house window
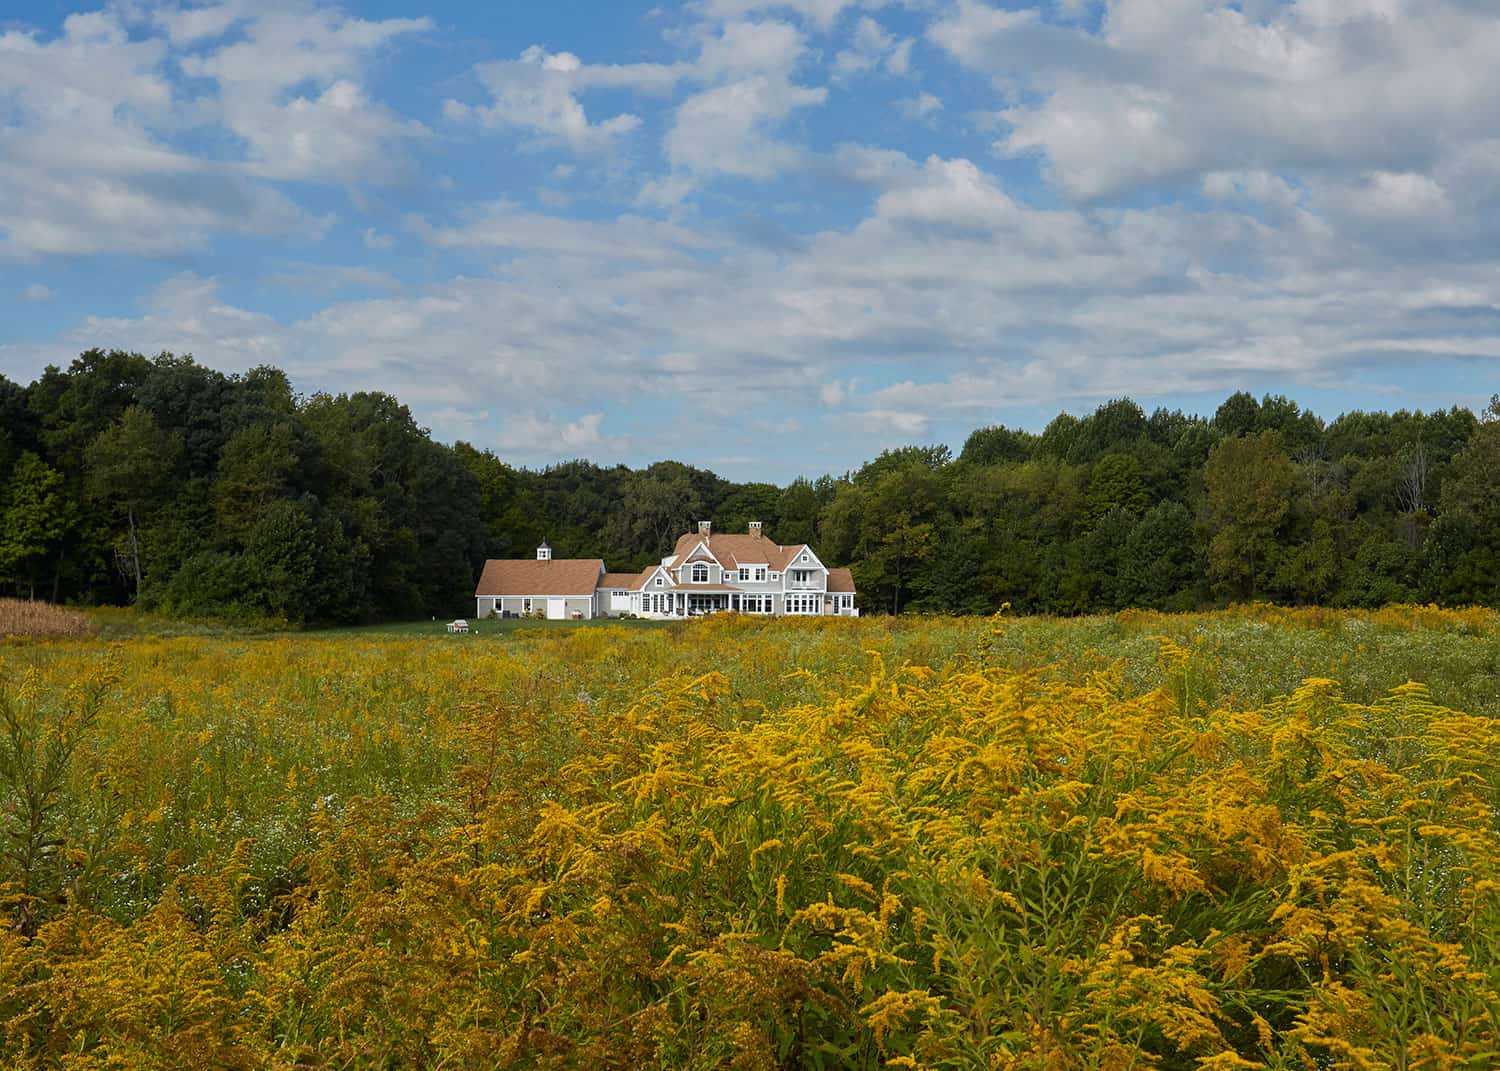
(658,581)
(802,604)
(700,573)
(744,574)
(760,574)
(775,576)
(526,606)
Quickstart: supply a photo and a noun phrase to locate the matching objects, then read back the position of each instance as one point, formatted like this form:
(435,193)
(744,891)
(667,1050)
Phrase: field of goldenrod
(1214,841)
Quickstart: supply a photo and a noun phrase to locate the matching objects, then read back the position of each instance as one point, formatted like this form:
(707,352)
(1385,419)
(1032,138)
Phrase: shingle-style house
(705,573)
(556,588)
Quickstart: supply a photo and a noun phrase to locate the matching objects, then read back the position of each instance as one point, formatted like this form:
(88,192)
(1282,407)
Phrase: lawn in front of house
(479,628)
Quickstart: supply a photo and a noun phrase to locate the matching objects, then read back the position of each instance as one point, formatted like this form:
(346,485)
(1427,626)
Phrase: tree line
(162,482)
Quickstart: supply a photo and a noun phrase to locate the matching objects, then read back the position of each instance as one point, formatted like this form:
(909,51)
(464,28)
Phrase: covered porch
(699,599)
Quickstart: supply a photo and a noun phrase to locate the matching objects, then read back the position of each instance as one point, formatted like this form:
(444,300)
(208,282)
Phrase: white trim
(805,549)
(703,546)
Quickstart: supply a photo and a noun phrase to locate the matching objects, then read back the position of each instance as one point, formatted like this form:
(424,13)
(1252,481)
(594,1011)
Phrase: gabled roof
(731,550)
(523,576)
(840,581)
(621,581)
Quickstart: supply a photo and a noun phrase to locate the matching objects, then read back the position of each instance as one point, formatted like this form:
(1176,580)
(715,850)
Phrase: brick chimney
(755,529)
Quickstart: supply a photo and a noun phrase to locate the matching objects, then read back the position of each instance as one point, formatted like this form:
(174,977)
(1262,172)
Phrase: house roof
(731,550)
(523,576)
(622,581)
(840,581)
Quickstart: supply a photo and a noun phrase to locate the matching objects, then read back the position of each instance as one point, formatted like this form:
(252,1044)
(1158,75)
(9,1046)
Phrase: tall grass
(20,617)
(1125,842)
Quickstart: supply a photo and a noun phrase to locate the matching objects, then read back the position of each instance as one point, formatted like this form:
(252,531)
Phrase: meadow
(1261,838)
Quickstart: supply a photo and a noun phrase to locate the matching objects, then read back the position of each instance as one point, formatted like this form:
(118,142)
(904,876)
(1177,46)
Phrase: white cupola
(544,553)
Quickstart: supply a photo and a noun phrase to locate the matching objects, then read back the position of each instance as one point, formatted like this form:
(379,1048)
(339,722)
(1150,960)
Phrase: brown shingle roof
(731,550)
(840,581)
(522,576)
(621,581)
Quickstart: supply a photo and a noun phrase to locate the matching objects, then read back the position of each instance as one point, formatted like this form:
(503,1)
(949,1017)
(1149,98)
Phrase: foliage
(35,515)
(1136,841)
(162,482)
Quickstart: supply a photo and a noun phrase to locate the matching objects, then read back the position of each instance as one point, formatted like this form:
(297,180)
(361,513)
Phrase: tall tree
(1249,482)
(35,514)
(660,504)
(98,387)
(130,468)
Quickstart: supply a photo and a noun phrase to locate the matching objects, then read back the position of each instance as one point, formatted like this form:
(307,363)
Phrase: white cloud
(1008,305)
(821,14)
(37,294)
(922,106)
(1333,231)
(332,133)
(1170,90)
(540,92)
(92,157)
(328,278)
(730,128)
(727,130)
(502,226)
(870,47)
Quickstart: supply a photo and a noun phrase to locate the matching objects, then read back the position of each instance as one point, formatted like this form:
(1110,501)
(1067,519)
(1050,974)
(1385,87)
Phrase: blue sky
(766,238)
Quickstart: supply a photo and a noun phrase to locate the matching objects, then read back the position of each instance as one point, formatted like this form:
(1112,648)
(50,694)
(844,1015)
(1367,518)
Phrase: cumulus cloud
(289,86)
(1010,305)
(80,169)
(730,127)
(94,157)
(871,47)
(1181,197)
(540,92)
(1164,91)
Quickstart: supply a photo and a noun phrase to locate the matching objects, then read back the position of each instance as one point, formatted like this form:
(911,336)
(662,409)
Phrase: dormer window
(700,573)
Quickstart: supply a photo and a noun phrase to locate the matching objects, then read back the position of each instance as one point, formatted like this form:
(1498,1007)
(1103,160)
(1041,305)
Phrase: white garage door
(557,609)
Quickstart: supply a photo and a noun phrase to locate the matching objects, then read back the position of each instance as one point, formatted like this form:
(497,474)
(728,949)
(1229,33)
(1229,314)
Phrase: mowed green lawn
(117,623)
(478,630)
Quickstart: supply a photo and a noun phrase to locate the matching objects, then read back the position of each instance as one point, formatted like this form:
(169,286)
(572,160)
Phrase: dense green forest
(162,482)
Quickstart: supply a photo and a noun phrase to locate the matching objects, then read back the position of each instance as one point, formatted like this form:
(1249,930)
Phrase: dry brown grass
(18,617)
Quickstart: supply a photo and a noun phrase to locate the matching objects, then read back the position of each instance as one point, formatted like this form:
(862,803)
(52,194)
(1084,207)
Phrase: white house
(705,573)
